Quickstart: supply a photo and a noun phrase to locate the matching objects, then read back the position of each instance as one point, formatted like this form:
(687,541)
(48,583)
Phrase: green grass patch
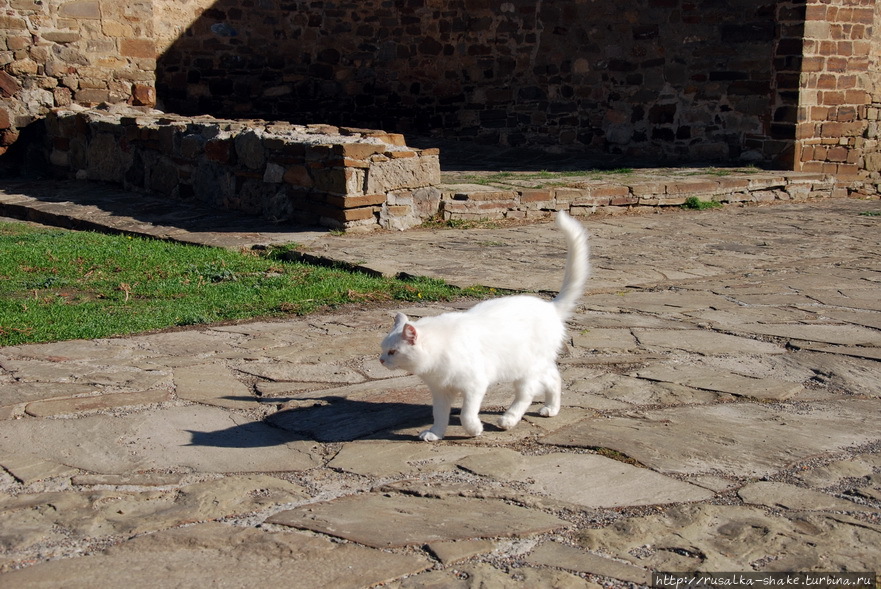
(696,204)
(870,214)
(57,285)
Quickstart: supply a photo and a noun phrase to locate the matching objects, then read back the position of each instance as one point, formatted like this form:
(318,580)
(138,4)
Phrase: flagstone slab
(659,302)
(857,376)
(604,339)
(785,496)
(702,341)
(384,521)
(23,392)
(556,554)
(857,317)
(588,480)
(384,459)
(735,439)
(28,468)
(456,550)
(218,555)
(78,349)
(856,352)
(628,390)
(190,344)
(484,576)
(296,372)
(702,537)
(200,438)
(53,407)
(703,377)
(859,466)
(30,519)
(212,384)
(845,335)
(134,479)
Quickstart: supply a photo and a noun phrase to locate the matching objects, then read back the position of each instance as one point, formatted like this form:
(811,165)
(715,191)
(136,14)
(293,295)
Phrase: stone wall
(650,79)
(314,175)
(55,53)
(790,84)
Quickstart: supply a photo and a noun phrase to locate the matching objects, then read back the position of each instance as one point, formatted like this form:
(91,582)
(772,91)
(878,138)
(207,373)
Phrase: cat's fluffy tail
(577,265)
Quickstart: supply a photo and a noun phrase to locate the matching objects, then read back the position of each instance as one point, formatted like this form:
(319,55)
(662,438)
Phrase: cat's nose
(381,361)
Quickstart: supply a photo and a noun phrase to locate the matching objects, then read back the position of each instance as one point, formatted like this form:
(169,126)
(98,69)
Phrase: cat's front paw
(506,422)
(473,429)
(429,436)
(548,411)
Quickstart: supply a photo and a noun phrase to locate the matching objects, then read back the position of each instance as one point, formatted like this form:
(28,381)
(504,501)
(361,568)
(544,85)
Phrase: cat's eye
(391,352)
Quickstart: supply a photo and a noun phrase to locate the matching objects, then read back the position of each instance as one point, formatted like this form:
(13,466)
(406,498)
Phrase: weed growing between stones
(694,203)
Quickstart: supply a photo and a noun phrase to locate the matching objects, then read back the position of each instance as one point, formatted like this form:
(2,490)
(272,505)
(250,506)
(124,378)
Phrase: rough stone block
(298,176)
(566,195)
(487,195)
(693,187)
(396,174)
(644,189)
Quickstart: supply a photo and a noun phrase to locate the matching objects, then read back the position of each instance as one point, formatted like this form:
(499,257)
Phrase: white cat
(510,339)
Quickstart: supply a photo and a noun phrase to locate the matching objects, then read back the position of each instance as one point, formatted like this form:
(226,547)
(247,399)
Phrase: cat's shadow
(329,419)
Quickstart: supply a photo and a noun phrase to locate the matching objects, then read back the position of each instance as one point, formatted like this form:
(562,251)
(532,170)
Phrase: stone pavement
(722,394)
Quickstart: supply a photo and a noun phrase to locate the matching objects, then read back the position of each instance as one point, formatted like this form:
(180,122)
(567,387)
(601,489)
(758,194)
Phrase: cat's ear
(409,334)
(400,321)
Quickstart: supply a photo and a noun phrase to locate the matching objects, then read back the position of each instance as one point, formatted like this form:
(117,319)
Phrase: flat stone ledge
(519,195)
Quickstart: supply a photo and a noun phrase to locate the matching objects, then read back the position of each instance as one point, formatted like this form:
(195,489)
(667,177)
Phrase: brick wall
(836,80)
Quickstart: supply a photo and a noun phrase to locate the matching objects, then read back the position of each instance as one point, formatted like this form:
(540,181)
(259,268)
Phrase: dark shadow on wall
(648,82)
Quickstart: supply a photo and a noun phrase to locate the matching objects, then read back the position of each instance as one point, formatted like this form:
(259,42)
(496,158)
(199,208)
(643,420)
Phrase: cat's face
(399,348)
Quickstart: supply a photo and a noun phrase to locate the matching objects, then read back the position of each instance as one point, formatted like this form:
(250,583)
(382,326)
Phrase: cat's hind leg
(441,403)
(524,392)
(553,387)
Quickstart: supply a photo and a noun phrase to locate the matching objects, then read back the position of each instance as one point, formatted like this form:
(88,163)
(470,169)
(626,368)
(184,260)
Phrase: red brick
(358,151)
(536,195)
(351,202)
(357,214)
(648,188)
(815,12)
(144,48)
(837,154)
(609,190)
(590,200)
(864,16)
(488,195)
(693,187)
